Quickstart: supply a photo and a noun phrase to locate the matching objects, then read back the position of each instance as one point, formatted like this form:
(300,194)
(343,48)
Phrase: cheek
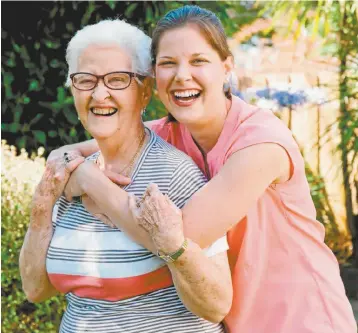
(128,98)
(81,100)
(207,77)
(163,79)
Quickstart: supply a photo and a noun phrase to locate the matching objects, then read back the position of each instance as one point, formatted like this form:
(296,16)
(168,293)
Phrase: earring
(143,111)
(227,84)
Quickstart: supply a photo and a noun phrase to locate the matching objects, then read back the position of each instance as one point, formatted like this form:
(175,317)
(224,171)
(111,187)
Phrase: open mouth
(186,96)
(107,112)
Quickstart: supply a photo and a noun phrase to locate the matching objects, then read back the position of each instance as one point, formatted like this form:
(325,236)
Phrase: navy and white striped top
(111,283)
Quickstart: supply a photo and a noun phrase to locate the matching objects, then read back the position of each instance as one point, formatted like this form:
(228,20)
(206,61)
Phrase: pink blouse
(285,278)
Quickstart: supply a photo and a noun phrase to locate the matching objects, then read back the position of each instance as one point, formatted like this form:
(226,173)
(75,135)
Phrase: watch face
(166,258)
(173,256)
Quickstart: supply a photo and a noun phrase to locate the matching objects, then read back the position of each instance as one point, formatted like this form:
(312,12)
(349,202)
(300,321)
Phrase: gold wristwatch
(171,257)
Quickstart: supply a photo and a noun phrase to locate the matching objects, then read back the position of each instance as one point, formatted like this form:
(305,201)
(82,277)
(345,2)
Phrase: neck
(117,153)
(207,133)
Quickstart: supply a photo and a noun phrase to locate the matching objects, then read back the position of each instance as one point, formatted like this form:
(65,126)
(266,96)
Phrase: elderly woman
(110,281)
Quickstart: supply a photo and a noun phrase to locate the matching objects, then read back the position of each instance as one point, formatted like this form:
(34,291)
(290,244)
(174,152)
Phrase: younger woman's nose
(183,73)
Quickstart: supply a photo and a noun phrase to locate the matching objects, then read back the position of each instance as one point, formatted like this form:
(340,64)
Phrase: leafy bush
(20,174)
(37,110)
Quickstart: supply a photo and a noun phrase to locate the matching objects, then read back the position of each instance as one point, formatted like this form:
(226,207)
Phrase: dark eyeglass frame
(98,77)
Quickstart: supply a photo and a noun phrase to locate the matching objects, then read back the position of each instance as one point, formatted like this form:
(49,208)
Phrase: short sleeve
(264,127)
(160,127)
(54,215)
(186,180)
(219,246)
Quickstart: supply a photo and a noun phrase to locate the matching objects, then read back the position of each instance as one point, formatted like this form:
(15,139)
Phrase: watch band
(171,257)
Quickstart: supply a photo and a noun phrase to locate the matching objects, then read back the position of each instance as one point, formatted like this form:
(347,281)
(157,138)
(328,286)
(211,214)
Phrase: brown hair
(208,23)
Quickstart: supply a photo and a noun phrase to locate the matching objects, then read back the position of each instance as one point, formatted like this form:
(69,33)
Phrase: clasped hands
(154,212)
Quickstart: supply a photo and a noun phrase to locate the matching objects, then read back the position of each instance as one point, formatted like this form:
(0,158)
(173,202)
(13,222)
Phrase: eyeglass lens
(115,80)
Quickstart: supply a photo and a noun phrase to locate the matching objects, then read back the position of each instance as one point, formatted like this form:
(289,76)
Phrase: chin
(188,116)
(103,135)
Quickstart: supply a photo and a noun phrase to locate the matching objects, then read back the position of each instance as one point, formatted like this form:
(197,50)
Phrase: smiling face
(107,113)
(190,75)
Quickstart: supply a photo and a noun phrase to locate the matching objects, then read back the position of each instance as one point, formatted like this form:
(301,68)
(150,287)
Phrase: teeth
(103,111)
(186,93)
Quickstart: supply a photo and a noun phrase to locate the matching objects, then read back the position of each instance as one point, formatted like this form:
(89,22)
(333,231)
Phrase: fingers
(117,178)
(132,203)
(137,212)
(153,189)
(73,164)
(153,197)
(58,154)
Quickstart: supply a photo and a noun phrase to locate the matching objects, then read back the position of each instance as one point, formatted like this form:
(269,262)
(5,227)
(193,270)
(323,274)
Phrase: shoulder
(265,138)
(166,154)
(164,150)
(93,157)
(181,174)
(157,124)
(253,125)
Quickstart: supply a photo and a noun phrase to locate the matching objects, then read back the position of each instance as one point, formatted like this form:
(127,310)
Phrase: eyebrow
(193,55)
(199,54)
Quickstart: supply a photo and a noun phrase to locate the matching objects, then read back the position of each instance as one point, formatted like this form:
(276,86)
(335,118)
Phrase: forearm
(85,148)
(203,284)
(113,201)
(35,281)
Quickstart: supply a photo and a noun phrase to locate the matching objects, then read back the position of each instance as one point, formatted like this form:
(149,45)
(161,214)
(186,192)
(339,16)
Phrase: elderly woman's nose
(100,92)
(183,73)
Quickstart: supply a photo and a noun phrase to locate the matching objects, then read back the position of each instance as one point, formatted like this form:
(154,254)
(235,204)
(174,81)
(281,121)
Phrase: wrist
(173,256)
(83,174)
(191,248)
(167,245)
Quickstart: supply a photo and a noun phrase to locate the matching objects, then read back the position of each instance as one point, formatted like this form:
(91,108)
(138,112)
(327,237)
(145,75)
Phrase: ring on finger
(66,158)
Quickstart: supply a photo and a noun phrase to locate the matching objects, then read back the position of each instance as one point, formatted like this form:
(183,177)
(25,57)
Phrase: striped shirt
(111,283)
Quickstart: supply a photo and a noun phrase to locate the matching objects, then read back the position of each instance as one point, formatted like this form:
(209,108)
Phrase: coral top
(286,280)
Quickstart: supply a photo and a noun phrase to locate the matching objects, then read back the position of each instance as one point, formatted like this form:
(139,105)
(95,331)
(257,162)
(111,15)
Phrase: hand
(117,178)
(55,177)
(73,187)
(58,153)
(92,208)
(159,216)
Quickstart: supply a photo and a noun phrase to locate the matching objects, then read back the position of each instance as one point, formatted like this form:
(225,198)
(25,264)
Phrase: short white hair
(127,36)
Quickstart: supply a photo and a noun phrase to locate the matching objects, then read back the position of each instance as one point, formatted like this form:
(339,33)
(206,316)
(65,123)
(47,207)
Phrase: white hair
(116,31)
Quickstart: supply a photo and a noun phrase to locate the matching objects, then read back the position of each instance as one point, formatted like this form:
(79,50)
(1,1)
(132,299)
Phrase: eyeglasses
(114,80)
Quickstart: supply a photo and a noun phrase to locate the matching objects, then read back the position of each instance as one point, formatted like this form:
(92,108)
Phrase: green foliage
(20,174)
(337,22)
(37,110)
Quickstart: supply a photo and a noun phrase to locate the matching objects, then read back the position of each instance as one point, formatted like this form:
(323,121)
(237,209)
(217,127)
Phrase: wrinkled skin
(51,185)
(56,176)
(159,216)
